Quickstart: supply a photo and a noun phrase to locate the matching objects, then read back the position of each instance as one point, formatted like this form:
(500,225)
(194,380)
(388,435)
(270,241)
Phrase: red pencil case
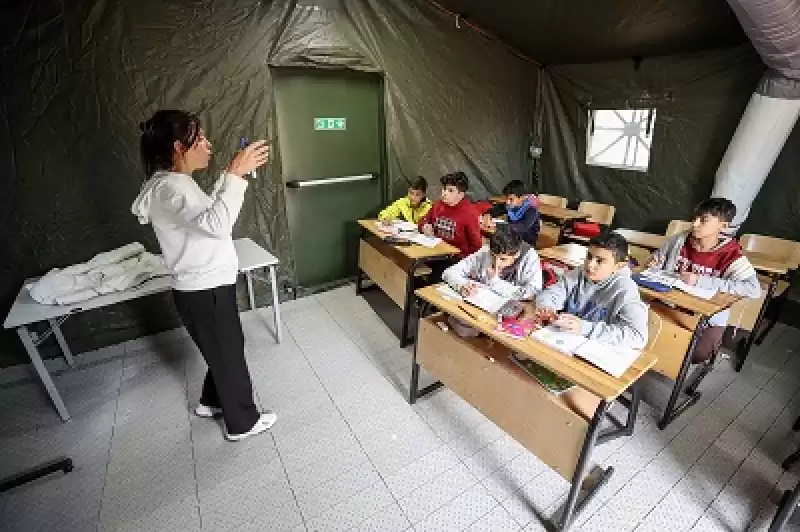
(587,229)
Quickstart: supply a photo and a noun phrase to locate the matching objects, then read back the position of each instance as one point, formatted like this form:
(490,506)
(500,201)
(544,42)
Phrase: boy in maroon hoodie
(705,257)
(453,218)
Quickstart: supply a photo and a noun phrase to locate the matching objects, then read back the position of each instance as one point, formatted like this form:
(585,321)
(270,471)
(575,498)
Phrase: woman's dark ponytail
(158,136)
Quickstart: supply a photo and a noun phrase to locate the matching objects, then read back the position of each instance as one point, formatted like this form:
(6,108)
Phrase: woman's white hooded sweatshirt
(193,228)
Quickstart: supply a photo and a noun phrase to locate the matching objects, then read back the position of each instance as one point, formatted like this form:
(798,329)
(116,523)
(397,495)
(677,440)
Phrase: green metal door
(331,141)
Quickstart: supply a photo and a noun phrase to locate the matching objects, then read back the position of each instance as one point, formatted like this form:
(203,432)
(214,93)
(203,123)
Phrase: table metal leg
(276,303)
(414,392)
(409,303)
(751,338)
(672,411)
(62,342)
(573,504)
(44,375)
(249,277)
(623,429)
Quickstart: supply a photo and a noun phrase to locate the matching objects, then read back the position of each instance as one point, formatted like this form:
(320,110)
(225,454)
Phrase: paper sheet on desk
(484,298)
(566,342)
(448,293)
(614,360)
(423,240)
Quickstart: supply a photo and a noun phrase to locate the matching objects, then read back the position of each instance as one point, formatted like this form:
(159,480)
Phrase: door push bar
(329,181)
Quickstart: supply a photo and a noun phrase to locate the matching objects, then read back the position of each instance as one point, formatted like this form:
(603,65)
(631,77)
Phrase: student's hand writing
(569,323)
(468,289)
(427,229)
(690,278)
(250,158)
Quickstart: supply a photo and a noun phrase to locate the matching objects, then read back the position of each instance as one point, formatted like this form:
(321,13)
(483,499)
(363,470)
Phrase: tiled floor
(349,453)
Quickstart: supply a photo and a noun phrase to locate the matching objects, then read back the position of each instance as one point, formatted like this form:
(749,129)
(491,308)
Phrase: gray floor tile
(349,453)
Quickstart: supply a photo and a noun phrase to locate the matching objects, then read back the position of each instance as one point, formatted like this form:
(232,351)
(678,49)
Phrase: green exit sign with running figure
(330,124)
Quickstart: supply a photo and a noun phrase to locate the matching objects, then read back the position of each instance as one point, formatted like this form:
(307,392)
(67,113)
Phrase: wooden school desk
(571,254)
(561,430)
(26,311)
(687,317)
(640,239)
(394,268)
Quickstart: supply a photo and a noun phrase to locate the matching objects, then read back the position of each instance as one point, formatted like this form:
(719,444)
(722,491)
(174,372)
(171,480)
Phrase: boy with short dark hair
(453,218)
(411,208)
(508,265)
(521,208)
(600,300)
(704,257)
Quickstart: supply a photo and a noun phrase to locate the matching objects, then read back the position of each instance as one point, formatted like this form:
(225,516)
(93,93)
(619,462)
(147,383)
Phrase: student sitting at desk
(704,257)
(507,262)
(410,208)
(453,218)
(522,210)
(600,300)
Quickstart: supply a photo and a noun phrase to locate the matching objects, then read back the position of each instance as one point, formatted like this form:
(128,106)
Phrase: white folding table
(26,311)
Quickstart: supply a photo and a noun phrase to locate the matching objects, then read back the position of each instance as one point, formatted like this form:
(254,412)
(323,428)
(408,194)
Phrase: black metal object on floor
(60,464)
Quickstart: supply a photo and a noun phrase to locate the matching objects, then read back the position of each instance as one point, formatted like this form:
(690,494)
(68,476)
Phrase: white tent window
(621,138)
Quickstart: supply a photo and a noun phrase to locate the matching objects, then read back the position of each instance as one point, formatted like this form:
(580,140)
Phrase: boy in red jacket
(453,218)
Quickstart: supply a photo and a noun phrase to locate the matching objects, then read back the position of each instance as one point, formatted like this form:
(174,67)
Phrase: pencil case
(641,280)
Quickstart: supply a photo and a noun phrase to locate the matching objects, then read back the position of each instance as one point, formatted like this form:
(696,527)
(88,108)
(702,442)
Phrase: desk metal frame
(31,342)
(405,338)
(584,485)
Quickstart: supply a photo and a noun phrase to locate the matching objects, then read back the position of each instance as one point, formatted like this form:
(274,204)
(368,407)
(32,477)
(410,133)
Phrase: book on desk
(614,360)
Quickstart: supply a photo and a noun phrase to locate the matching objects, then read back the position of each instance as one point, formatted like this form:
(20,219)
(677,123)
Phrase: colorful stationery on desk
(518,328)
(614,360)
(551,382)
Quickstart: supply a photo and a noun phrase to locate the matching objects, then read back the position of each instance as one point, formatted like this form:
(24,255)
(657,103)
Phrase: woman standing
(194,231)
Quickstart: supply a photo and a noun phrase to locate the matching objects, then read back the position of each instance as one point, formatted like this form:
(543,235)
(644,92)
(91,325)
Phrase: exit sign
(330,124)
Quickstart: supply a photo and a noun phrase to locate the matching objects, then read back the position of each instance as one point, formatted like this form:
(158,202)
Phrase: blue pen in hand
(242,145)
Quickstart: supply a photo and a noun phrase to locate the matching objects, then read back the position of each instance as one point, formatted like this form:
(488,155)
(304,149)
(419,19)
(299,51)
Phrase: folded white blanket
(113,271)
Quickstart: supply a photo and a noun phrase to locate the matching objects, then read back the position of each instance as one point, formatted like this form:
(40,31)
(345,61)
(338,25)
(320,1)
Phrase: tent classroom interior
(647,106)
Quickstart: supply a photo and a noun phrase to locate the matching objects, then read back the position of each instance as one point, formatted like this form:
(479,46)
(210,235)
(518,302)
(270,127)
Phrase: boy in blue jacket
(521,209)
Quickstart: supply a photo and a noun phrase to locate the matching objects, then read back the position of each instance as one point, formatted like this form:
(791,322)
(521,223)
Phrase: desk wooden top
(641,239)
(576,370)
(413,251)
(766,263)
(551,212)
(571,254)
(706,307)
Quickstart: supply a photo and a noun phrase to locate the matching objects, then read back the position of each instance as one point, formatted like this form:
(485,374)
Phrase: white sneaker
(265,421)
(207,411)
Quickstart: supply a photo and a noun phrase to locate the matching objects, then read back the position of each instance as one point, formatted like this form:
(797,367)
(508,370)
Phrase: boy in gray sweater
(600,300)
(508,266)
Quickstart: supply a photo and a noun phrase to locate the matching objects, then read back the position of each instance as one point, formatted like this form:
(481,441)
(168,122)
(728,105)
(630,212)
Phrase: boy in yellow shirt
(411,208)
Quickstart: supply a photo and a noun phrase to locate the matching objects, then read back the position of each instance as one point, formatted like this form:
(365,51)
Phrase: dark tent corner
(77,79)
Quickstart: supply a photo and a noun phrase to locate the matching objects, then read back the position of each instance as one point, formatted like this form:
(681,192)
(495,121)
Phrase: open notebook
(486,299)
(673,280)
(614,360)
